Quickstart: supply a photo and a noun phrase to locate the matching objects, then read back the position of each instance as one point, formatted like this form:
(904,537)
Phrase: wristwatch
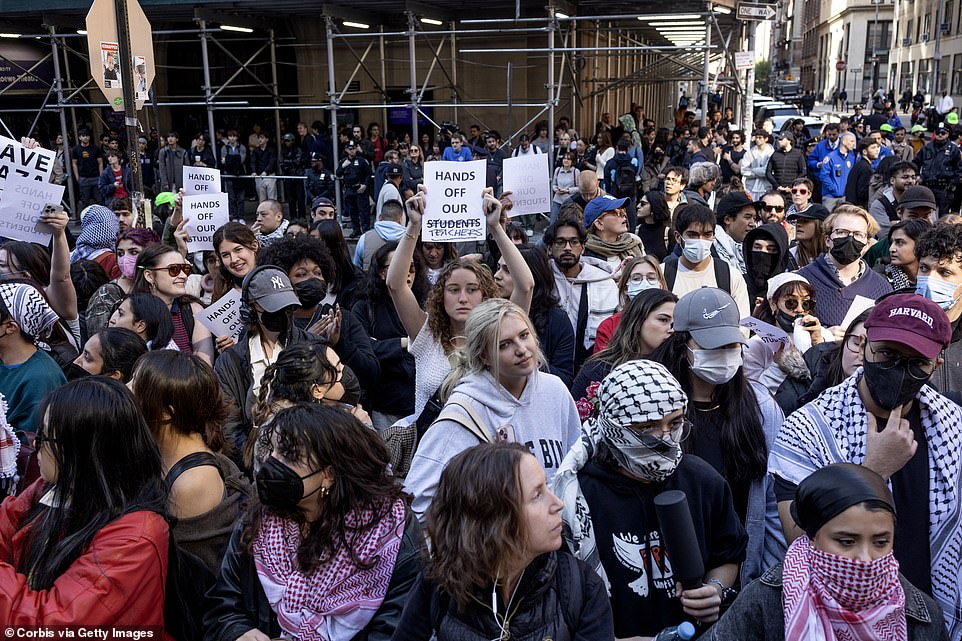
(727,594)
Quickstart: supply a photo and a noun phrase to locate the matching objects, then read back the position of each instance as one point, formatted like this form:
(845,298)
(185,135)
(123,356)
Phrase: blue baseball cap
(597,206)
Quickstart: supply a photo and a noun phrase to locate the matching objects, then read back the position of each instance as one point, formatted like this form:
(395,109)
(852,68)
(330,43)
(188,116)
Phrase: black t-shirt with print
(910,488)
(629,543)
(86,158)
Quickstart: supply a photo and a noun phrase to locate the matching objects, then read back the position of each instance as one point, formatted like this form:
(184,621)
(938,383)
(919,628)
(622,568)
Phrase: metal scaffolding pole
(380,41)
(551,80)
(275,94)
(455,94)
(332,95)
(412,64)
(208,99)
(704,95)
(58,85)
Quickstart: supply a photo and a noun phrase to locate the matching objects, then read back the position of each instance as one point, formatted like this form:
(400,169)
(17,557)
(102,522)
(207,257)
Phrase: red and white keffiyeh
(339,599)
(9,449)
(828,597)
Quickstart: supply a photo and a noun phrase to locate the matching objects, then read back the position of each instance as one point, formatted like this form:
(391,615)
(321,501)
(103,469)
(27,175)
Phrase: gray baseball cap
(711,316)
(270,288)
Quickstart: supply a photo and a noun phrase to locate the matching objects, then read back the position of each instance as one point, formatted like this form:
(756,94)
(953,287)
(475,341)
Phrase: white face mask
(716,366)
(696,249)
(636,288)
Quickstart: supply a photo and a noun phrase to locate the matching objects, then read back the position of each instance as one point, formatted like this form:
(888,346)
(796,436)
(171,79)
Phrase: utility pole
(937,54)
(130,104)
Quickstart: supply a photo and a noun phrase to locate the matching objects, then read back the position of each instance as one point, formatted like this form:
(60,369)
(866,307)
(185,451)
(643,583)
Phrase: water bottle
(682,632)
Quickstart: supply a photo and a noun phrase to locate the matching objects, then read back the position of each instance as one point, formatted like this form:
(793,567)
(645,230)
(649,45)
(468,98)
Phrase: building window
(906,76)
(927,25)
(957,74)
(948,14)
(924,75)
(908,29)
(918,29)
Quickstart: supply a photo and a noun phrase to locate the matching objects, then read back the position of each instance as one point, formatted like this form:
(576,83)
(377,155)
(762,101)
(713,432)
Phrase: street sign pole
(130,105)
(749,90)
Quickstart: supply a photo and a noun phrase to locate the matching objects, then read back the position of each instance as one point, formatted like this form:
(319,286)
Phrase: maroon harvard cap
(913,321)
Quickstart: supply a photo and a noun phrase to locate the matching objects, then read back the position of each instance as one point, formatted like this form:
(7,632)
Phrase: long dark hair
(107,465)
(120,348)
(744,450)
(181,389)
(375,289)
(330,232)
(625,344)
(292,377)
(331,438)
(156,317)
(835,373)
(32,259)
(543,299)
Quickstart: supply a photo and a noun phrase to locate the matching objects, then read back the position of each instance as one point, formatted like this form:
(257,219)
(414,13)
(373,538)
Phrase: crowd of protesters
(417,440)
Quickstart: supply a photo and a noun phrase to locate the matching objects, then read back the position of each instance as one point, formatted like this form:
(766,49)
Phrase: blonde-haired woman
(496,392)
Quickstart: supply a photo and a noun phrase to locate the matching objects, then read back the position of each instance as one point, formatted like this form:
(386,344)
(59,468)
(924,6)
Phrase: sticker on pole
(109,58)
(203,214)
(744,60)
(201,180)
(222,317)
(15,159)
(21,204)
(526,177)
(453,211)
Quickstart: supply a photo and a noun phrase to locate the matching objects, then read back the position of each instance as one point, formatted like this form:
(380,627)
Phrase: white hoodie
(544,419)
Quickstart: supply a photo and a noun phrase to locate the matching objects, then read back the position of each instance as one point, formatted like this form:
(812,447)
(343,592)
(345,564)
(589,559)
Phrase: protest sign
(774,337)
(21,203)
(526,177)
(35,164)
(201,180)
(222,317)
(203,214)
(859,305)
(453,211)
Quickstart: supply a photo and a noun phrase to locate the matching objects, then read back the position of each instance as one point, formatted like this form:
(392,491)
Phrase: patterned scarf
(626,246)
(98,233)
(634,392)
(338,600)
(831,429)
(827,596)
(9,449)
(30,310)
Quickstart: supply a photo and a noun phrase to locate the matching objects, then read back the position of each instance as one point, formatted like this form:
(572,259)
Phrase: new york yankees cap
(270,288)
(711,316)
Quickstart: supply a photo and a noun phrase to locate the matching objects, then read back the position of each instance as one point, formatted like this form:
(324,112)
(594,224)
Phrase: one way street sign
(747,11)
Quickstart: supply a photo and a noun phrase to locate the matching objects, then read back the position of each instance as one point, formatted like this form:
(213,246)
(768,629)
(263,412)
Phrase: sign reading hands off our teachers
(453,209)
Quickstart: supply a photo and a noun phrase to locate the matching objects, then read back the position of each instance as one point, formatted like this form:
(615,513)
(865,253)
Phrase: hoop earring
(324,492)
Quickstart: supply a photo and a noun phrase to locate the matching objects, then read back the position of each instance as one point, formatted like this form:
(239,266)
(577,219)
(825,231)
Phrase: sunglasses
(777,208)
(792,303)
(799,190)
(175,269)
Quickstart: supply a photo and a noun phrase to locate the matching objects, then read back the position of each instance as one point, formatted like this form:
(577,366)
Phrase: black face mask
(891,387)
(275,321)
(279,487)
(785,321)
(310,292)
(74,372)
(846,250)
(764,264)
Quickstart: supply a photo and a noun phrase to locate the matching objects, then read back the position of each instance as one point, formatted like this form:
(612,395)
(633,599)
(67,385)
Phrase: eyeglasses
(799,190)
(561,243)
(918,368)
(839,234)
(680,430)
(40,438)
(854,343)
(672,179)
(639,278)
(775,208)
(792,303)
(175,269)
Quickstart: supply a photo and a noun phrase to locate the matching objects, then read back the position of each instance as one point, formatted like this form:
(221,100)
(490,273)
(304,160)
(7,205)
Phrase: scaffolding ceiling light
(10,35)
(432,21)
(356,25)
(230,27)
(668,16)
(675,23)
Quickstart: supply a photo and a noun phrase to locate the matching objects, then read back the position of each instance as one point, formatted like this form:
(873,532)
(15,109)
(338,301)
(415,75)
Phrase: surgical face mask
(696,249)
(128,266)
(279,487)
(846,250)
(785,321)
(275,321)
(716,366)
(636,288)
(310,292)
(940,292)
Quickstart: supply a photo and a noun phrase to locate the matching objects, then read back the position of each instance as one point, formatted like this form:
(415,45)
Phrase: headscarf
(634,392)
(29,309)
(830,596)
(98,233)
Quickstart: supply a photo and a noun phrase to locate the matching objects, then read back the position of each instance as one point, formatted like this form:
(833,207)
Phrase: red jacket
(119,580)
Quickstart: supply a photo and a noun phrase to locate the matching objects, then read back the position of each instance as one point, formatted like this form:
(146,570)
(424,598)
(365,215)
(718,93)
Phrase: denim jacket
(758,613)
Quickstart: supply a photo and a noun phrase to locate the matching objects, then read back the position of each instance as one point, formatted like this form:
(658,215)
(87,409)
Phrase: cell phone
(48,209)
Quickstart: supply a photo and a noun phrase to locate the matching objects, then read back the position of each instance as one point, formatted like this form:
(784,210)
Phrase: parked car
(813,124)
(777,109)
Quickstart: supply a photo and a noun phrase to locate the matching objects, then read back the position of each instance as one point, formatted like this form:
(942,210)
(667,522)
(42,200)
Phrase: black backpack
(720,267)
(624,182)
(185,600)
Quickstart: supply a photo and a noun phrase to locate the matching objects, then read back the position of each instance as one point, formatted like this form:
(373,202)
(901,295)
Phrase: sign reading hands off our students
(203,214)
(453,210)
(222,317)
(526,177)
(201,180)
(21,203)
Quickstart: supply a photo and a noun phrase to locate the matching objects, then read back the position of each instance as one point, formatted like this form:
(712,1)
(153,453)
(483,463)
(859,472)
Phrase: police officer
(320,181)
(355,172)
(940,164)
(293,163)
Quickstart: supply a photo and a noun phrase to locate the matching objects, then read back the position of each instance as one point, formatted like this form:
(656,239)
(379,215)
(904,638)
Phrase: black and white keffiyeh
(634,392)
(29,309)
(98,233)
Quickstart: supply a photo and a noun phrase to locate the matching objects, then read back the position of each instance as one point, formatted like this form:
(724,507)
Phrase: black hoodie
(758,282)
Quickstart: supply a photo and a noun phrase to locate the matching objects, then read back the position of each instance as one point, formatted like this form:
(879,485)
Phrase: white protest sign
(21,204)
(526,177)
(774,337)
(453,211)
(35,164)
(859,305)
(222,318)
(201,180)
(202,216)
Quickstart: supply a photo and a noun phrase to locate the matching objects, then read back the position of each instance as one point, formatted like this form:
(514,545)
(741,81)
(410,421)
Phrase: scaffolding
(624,69)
